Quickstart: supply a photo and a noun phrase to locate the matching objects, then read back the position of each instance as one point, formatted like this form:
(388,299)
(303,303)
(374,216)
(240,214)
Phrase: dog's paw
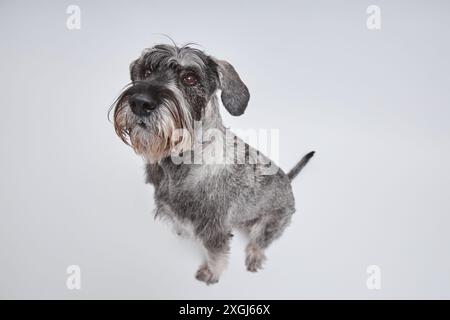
(205,274)
(254,259)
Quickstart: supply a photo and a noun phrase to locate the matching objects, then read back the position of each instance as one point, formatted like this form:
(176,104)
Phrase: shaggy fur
(206,179)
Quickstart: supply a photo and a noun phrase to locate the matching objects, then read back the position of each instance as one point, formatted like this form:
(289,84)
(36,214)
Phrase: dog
(207,181)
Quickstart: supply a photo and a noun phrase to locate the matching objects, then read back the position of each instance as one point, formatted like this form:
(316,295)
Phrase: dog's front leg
(217,245)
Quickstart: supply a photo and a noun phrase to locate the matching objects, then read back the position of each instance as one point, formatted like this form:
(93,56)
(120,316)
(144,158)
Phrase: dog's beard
(167,130)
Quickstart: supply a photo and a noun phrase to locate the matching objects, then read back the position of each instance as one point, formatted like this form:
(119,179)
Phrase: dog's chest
(194,191)
(204,176)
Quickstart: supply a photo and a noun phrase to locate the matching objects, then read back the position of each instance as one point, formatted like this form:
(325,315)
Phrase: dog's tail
(299,166)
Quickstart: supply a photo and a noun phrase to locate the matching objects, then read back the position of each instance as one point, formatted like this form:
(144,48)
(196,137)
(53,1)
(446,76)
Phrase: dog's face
(170,89)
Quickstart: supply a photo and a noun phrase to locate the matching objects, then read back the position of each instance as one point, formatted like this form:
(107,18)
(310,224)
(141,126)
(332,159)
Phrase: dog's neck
(211,118)
(210,123)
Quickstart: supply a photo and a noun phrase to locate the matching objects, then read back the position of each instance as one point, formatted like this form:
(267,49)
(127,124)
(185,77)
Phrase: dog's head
(170,89)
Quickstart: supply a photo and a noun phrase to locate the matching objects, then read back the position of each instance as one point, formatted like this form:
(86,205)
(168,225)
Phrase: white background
(373,104)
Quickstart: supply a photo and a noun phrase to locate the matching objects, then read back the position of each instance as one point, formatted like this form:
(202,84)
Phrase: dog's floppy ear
(235,94)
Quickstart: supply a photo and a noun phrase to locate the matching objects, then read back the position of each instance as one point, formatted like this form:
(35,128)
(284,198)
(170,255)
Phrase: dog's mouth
(141,124)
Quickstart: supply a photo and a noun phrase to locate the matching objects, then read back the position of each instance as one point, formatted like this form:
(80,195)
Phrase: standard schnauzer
(169,114)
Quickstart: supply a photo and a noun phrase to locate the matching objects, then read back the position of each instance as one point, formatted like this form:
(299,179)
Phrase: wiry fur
(210,197)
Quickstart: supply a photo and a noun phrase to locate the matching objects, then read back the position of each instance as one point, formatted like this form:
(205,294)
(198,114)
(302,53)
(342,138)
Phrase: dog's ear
(235,94)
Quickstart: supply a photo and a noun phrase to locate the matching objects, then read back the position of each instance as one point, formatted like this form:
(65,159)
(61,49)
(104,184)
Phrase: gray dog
(207,181)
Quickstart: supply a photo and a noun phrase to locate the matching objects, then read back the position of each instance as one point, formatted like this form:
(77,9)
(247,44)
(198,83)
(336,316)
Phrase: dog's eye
(190,79)
(147,73)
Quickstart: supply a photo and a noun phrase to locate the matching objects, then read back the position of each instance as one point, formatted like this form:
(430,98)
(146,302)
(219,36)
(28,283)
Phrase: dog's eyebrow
(191,67)
(173,64)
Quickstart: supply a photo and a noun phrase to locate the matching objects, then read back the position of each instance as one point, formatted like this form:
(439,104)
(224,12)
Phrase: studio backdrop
(365,84)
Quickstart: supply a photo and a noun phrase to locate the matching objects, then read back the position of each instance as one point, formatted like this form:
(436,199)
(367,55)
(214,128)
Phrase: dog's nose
(142,104)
